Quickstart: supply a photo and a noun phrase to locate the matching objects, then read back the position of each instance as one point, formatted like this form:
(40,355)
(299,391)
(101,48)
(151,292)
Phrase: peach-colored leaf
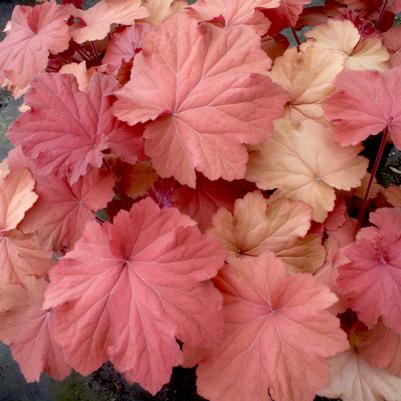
(309,78)
(304,163)
(353,379)
(371,280)
(129,289)
(277,335)
(393,195)
(62,210)
(79,71)
(159,10)
(26,328)
(236,12)
(99,18)
(16,197)
(343,38)
(365,103)
(67,130)
(35,31)
(204,85)
(254,227)
(21,256)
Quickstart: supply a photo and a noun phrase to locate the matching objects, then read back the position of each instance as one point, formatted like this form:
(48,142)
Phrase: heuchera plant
(187,188)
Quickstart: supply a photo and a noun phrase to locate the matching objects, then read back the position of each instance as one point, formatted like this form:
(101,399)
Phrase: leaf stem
(381,12)
(294,33)
(373,173)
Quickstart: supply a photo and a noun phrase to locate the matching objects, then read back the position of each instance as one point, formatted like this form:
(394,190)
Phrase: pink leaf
(123,45)
(62,210)
(365,103)
(67,130)
(371,281)
(128,290)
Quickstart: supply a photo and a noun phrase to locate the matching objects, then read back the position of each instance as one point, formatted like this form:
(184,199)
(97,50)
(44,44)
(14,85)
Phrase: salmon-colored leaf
(62,210)
(392,40)
(26,328)
(236,12)
(128,290)
(274,324)
(35,31)
(203,83)
(99,18)
(21,255)
(16,198)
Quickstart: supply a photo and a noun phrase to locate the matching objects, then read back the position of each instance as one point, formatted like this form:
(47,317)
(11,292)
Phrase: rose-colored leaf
(62,210)
(381,347)
(286,15)
(123,45)
(371,281)
(26,328)
(34,33)
(353,379)
(392,40)
(16,197)
(99,18)
(365,103)
(67,130)
(137,179)
(304,163)
(203,202)
(309,78)
(204,84)
(128,290)
(277,334)
(236,12)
